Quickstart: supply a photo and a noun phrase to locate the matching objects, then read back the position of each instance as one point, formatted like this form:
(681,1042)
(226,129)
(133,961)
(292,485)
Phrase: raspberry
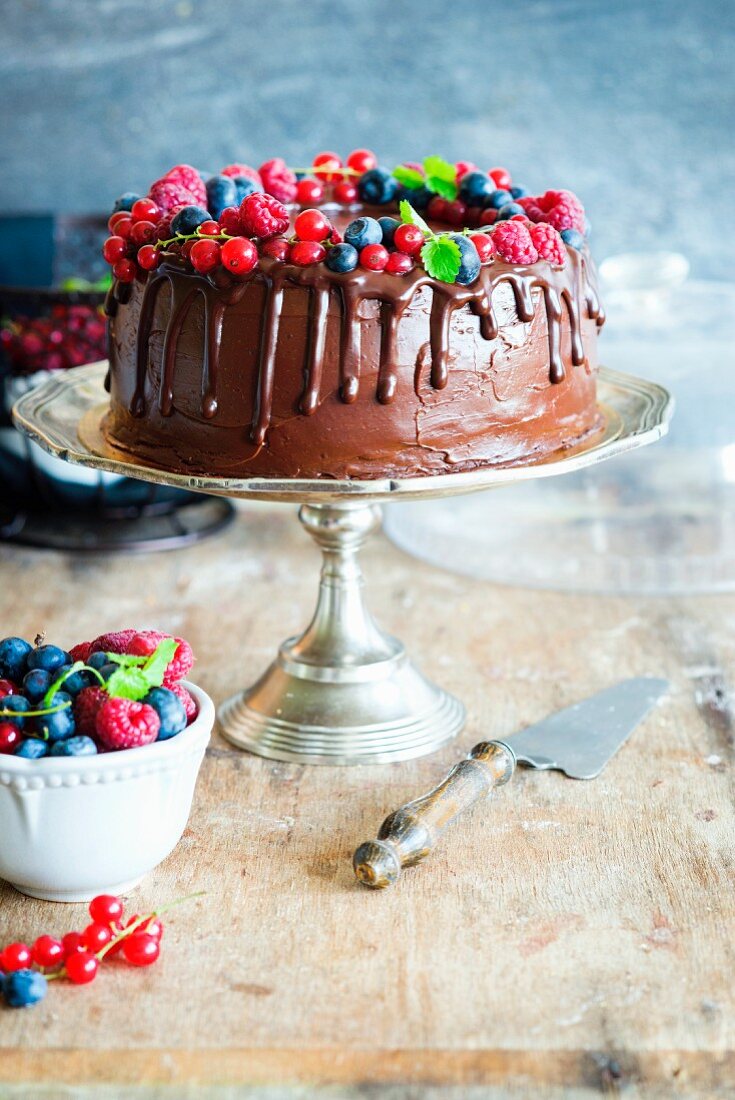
(262,215)
(189,705)
(81,651)
(115,642)
(243,170)
(278,180)
(548,244)
(86,705)
(532,208)
(167,194)
(144,643)
(513,243)
(563,210)
(124,724)
(189,178)
(462,168)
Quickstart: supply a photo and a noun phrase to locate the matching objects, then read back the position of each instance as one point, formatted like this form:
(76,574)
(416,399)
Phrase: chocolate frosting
(300,371)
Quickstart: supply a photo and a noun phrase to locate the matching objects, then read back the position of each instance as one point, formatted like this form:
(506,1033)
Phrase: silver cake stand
(343,692)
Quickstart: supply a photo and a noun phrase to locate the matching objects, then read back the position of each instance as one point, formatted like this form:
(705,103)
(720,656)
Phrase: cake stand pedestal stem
(343,692)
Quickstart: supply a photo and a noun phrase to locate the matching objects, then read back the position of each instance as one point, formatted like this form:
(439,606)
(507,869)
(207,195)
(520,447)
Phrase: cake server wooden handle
(408,835)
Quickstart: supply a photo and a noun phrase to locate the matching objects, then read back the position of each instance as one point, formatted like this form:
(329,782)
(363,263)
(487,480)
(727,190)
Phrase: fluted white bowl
(75,827)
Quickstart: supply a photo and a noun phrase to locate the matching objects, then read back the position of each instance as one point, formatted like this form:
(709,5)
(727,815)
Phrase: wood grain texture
(571,936)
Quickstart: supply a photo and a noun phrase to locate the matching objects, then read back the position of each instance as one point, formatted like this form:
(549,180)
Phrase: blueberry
(509,210)
(36,683)
(221,192)
(15,703)
(14,654)
(518,192)
(377,186)
(188,218)
(24,987)
(573,238)
(341,258)
(498,199)
(97,660)
(388,228)
(107,670)
(125,202)
(245,186)
(169,709)
(48,657)
(419,198)
(74,746)
(78,680)
(60,724)
(363,231)
(32,748)
(469,267)
(476,189)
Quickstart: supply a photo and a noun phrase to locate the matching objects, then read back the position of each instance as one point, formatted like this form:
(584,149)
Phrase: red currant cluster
(134,235)
(68,337)
(26,970)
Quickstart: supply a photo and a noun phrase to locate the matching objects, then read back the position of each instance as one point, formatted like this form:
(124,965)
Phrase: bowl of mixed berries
(100,747)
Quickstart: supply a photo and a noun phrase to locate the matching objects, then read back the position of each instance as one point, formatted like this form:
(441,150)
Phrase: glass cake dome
(658,521)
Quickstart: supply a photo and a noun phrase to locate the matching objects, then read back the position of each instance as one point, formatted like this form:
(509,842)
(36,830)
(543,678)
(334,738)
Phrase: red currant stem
(78,666)
(128,931)
(34,713)
(331,166)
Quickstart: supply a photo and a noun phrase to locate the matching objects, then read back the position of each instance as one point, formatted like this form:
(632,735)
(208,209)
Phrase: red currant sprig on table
(26,971)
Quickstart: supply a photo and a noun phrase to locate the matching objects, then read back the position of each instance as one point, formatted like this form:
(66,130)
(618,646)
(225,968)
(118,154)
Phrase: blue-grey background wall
(630,102)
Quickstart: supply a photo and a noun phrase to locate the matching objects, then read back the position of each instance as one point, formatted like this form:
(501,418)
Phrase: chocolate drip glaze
(568,287)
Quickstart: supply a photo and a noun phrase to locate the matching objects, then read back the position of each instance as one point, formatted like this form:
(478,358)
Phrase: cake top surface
(435,219)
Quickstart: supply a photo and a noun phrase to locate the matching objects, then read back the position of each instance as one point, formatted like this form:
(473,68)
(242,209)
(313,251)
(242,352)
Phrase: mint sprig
(440,255)
(134,680)
(411,178)
(438,176)
(409,216)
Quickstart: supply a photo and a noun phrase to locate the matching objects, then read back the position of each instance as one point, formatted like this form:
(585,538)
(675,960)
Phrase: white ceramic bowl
(71,828)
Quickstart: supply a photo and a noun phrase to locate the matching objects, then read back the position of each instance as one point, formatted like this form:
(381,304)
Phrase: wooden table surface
(568,939)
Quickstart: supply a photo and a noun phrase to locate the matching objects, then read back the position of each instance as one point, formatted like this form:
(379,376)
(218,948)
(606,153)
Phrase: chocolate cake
(389,330)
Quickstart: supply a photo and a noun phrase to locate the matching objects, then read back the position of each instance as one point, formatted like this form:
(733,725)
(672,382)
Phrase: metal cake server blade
(581,739)
(578,741)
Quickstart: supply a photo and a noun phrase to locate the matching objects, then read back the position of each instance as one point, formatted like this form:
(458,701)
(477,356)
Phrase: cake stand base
(343,692)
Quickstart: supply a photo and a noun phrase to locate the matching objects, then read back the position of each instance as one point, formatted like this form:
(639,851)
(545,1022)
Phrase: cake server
(578,741)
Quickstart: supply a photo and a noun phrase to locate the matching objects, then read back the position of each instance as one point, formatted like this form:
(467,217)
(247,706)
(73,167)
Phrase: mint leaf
(441,169)
(409,177)
(410,217)
(442,187)
(128,683)
(441,258)
(158,662)
(126,660)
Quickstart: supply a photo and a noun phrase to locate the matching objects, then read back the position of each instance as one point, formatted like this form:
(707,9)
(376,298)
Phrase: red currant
(345,192)
(304,253)
(186,248)
(239,255)
(311,225)
(125,229)
(114,249)
(47,951)
(124,270)
(210,229)
(153,927)
(374,257)
(81,968)
(96,936)
(483,242)
(489,216)
(437,208)
(329,160)
(309,191)
(205,256)
(399,263)
(229,221)
(145,210)
(464,167)
(362,160)
(10,738)
(7,687)
(277,247)
(16,956)
(148,257)
(474,215)
(117,218)
(456,212)
(501,178)
(409,239)
(141,949)
(143,233)
(72,944)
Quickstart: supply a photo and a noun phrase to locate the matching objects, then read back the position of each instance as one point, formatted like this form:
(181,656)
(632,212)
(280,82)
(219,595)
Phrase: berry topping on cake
(245,171)
(168,194)
(239,255)
(278,180)
(548,243)
(304,253)
(377,187)
(562,209)
(189,178)
(326,167)
(263,216)
(513,243)
(311,225)
(221,192)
